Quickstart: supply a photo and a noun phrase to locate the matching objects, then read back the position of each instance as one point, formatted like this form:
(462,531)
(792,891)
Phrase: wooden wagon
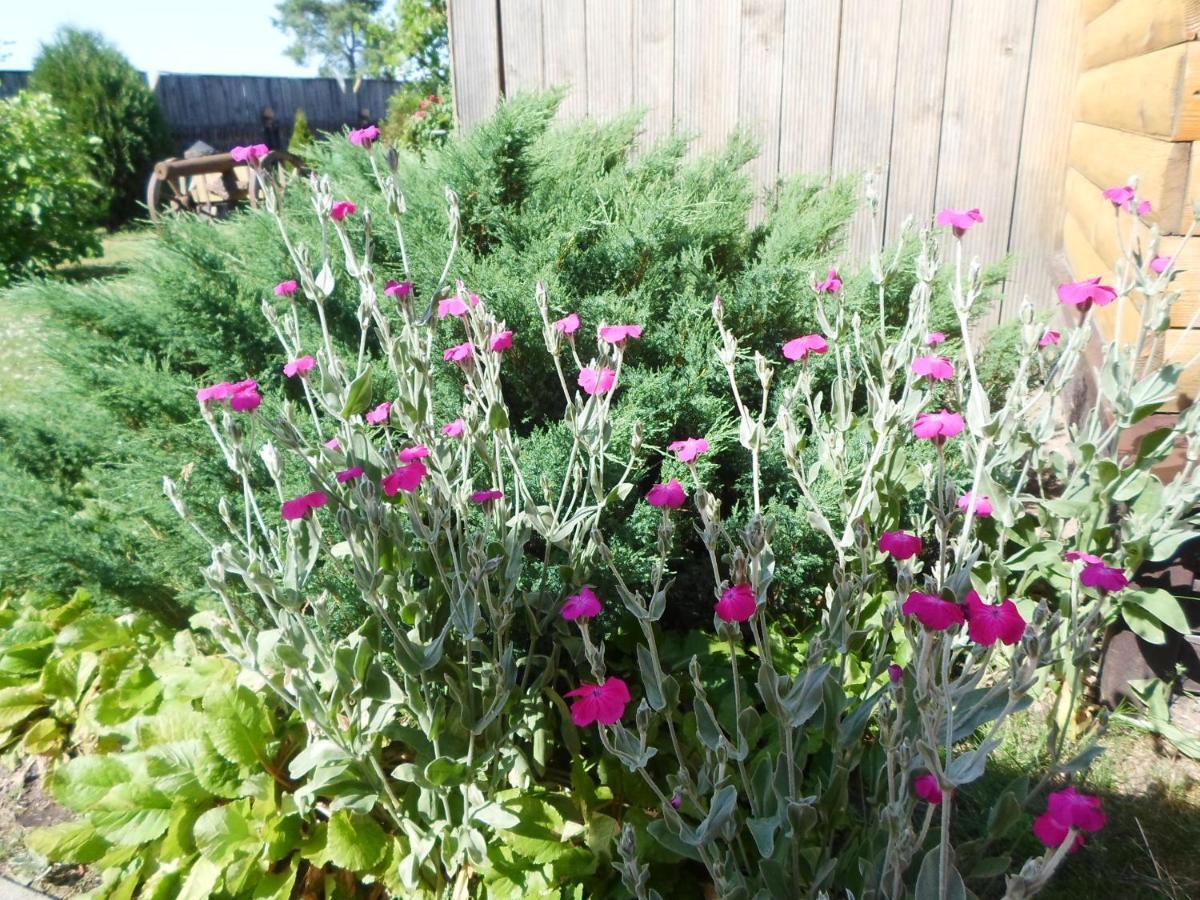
(212,184)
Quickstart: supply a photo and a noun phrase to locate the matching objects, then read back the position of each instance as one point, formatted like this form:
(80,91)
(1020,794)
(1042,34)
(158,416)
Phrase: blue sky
(231,37)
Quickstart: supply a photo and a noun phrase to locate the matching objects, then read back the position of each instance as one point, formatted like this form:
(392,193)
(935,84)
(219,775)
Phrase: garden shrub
(302,136)
(51,204)
(105,97)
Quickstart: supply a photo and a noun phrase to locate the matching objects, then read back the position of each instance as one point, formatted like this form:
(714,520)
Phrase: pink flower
(398,289)
(1084,293)
(900,544)
(934,338)
(1144,208)
(405,478)
(831,285)
(669,495)
(676,800)
(688,449)
(1065,810)
(926,787)
(298,507)
(959,220)
(597,381)
(737,603)
(895,673)
(349,474)
(603,703)
(486,496)
(981,505)
(936,367)
(220,391)
(456,306)
(251,154)
(459,352)
(1103,576)
(502,342)
(286,288)
(1159,264)
(1089,558)
(379,415)
(299,366)
(932,611)
(333,444)
(938,426)
(341,209)
(408,454)
(1050,337)
(618,334)
(800,347)
(1052,833)
(991,622)
(364,137)
(568,324)
(244,396)
(1119,196)
(584,605)
(454,429)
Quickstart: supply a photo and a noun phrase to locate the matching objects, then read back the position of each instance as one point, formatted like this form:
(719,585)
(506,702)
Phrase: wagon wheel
(166,193)
(284,167)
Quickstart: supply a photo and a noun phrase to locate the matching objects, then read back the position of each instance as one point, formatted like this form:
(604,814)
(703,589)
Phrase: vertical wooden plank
(474,59)
(763,25)
(609,27)
(917,130)
(810,67)
(654,65)
(866,93)
(564,30)
(521,37)
(1035,237)
(707,73)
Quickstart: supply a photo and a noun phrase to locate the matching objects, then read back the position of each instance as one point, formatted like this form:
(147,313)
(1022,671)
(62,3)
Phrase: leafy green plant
(302,136)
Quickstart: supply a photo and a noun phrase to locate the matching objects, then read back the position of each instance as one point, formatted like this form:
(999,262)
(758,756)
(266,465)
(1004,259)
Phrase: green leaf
(929,880)
(1144,625)
(1161,604)
(70,842)
(238,724)
(443,771)
(223,833)
(18,703)
(201,881)
(94,631)
(132,813)
(355,842)
(497,417)
(358,398)
(43,738)
(173,767)
(86,780)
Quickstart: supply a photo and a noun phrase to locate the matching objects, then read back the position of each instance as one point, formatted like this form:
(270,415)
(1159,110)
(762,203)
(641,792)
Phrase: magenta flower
(603,703)
(584,605)
(568,324)
(1050,337)
(982,506)
(251,154)
(454,429)
(364,137)
(501,342)
(991,622)
(1090,558)
(298,507)
(242,395)
(1159,264)
(299,366)
(245,401)
(1084,293)
(934,338)
(349,474)
(927,788)
(800,347)
(959,220)
(618,334)
(1119,196)
(932,611)
(405,478)
(408,454)
(341,209)
(379,415)
(895,673)
(333,444)
(938,426)
(737,603)
(676,800)
(1143,208)
(398,289)
(486,496)
(456,306)
(597,381)
(936,367)
(900,544)
(669,495)
(459,352)
(286,288)
(688,449)
(831,285)
(1065,810)
(1103,576)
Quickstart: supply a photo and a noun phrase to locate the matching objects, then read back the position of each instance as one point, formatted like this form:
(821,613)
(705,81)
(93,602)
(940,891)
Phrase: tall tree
(413,44)
(339,33)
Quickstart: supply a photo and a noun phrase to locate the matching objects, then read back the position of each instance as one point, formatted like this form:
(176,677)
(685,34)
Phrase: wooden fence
(959,103)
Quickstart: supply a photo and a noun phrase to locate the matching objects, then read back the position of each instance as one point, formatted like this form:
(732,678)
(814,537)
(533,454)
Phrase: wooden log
(1157,94)
(1109,157)
(1135,27)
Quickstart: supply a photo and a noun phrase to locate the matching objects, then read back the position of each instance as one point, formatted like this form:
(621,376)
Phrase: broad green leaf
(223,833)
(174,769)
(1162,605)
(355,842)
(201,881)
(358,398)
(1144,625)
(238,724)
(929,880)
(444,770)
(69,842)
(85,781)
(18,703)
(94,631)
(43,738)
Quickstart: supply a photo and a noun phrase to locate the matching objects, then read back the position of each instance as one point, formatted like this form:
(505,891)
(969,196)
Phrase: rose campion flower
(251,154)
(737,603)
(927,788)
(832,283)
(245,401)
(242,396)
(1050,338)
(456,306)
(1159,264)
(618,334)
(981,505)
(1090,558)
(459,353)
(299,366)
(486,496)
(959,220)
(1104,577)
(298,507)
(597,382)
(670,495)
(1144,208)
(991,622)
(364,137)
(341,209)
(936,367)
(379,414)
(568,324)
(408,454)
(454,429)
(688,449)
(938,426)
(676,800)
(584,605)
(501,342)
(405,478)
(1084,293)
(398,289)
(895,673)
(349,474)
(1119,196)
(603,703)
(286,288)
(1067,809)
(900,544)
(333,444)
(934,338)
(932,611)
(799,348)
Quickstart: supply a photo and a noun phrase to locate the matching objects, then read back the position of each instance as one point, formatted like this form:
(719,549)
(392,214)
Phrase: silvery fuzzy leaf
(324,280)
